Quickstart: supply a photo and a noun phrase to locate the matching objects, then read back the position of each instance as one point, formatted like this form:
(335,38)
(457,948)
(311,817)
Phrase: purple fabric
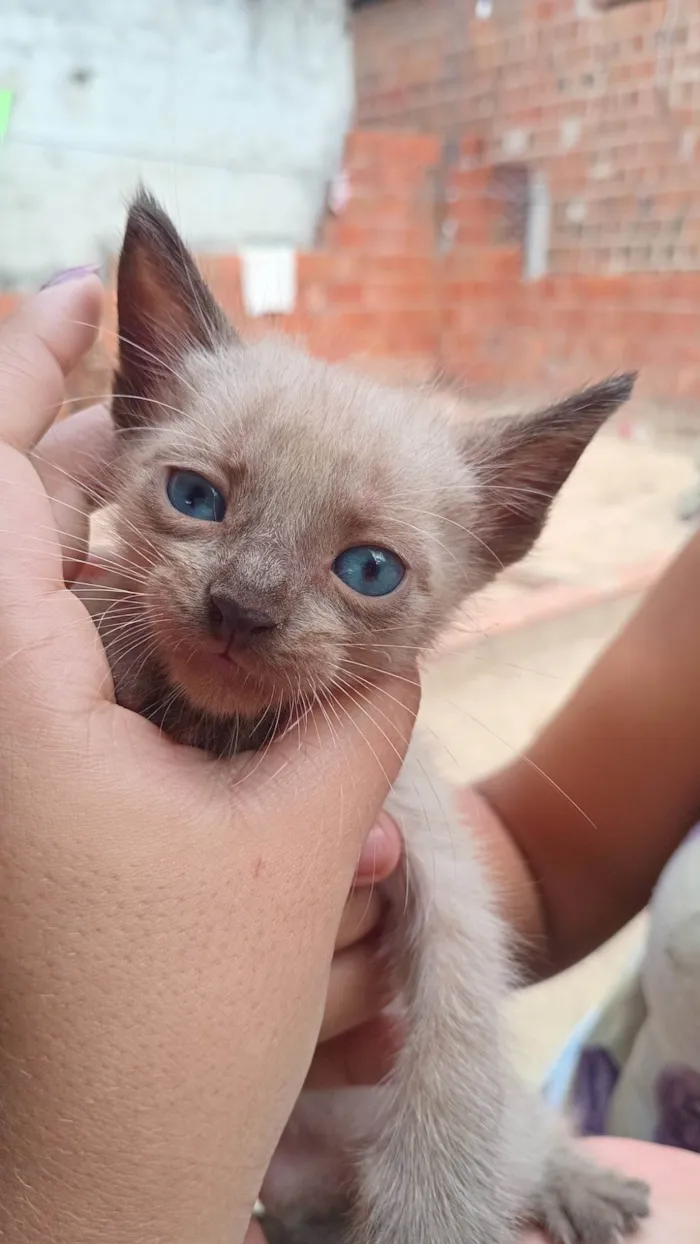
(678,1103)
(596,1076)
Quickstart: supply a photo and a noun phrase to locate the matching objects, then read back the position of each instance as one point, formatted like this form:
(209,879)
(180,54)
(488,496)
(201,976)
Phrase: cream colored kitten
(289,530)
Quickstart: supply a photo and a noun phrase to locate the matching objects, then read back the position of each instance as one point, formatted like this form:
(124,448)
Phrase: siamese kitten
(289,531)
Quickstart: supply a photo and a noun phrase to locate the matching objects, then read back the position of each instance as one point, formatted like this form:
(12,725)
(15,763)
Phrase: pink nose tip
(232,621)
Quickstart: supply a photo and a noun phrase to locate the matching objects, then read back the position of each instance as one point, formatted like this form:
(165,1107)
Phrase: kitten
(289,531)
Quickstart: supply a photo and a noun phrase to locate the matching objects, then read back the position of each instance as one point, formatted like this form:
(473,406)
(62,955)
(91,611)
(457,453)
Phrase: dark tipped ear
(165,309)
(522,463)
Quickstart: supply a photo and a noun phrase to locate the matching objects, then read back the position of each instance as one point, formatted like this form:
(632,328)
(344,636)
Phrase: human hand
(166,919)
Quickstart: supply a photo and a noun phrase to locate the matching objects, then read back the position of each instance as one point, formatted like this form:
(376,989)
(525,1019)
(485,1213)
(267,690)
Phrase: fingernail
(71,274)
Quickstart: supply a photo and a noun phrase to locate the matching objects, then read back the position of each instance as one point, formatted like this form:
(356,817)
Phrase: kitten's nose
(233,621)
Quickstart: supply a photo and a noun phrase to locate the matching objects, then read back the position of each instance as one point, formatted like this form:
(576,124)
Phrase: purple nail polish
(72,274)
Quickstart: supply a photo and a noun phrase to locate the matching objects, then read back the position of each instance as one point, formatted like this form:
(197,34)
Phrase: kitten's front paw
(581,1203)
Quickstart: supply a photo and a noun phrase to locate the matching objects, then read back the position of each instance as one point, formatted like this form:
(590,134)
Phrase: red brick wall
(369,293)
(422,273)
(606,105)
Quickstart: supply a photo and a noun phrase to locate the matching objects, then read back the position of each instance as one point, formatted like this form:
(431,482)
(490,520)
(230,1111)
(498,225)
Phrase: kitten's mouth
(231,663)
(227,660)
(227,681)
(237,670)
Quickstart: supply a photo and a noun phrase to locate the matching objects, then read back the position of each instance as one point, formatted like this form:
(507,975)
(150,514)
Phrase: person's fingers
(81,448)
(73,462)
(361,914)
(39,345)
(380,853)
(42,625)
(359,988)
(363,1056)
(43,341)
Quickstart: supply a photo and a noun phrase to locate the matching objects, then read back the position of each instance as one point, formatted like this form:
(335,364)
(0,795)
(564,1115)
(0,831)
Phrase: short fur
(312,460)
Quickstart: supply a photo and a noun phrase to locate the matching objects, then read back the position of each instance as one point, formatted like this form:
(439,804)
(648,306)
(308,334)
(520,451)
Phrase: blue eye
(194,496)
(369,571)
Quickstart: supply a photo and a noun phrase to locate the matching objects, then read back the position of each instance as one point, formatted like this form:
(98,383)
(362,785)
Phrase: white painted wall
(232,111)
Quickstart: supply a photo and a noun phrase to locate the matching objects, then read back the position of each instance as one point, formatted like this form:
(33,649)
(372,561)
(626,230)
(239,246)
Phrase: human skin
(166,919)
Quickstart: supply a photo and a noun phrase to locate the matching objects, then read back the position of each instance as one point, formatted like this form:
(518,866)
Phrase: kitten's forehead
(279,414)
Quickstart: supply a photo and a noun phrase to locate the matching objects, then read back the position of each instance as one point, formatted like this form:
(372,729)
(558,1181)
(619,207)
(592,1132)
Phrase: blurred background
(498,198)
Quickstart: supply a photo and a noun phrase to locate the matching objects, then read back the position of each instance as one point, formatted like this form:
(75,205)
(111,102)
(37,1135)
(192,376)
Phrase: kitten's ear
(522,463)
(164,308)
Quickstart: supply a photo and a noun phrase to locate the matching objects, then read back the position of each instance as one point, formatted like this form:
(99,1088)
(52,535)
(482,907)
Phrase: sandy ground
(485,702)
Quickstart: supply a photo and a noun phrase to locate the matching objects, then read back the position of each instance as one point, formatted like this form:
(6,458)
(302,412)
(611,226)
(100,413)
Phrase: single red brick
(347,295)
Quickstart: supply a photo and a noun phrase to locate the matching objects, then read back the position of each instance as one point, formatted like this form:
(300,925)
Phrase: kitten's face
(297,529)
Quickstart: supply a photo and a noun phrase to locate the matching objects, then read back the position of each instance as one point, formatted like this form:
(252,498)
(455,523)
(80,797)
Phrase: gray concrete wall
(233,111)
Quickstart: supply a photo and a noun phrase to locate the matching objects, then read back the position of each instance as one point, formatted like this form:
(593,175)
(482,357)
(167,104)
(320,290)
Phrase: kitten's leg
(462,1154)
(572,1198)
(458,1152)
(581,1203)
(436,1172)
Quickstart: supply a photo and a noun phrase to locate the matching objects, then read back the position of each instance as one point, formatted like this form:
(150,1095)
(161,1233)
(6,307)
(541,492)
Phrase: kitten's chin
(225,685)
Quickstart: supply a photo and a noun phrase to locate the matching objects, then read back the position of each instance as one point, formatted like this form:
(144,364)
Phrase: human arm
(579,827)
(166,920)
